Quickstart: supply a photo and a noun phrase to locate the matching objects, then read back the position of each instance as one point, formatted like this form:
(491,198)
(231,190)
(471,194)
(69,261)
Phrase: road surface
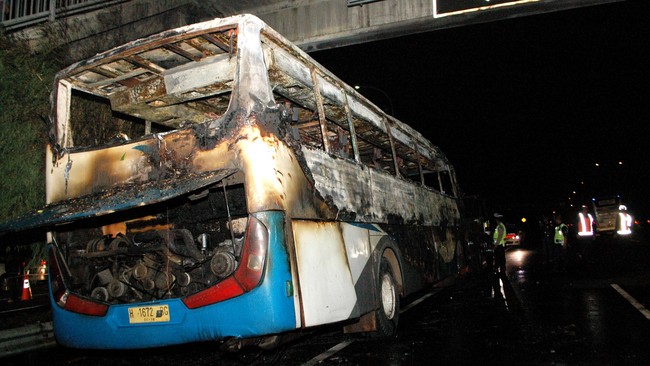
(593,314)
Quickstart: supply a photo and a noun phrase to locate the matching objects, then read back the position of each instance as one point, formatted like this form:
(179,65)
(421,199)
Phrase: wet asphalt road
(534,316)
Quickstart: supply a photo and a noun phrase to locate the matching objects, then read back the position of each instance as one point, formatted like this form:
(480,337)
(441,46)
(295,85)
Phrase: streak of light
(440,15)
(503,293)
(518,257)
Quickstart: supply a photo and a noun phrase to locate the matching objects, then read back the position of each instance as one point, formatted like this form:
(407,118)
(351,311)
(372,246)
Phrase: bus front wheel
(388,296)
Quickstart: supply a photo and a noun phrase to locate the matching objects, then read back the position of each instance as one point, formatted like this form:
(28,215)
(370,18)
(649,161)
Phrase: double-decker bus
(215,182)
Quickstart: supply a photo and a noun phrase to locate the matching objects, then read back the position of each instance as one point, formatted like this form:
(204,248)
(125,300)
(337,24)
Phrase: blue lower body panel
(267,309)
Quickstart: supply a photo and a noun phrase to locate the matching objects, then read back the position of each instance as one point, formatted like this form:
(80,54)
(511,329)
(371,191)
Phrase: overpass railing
(24,13)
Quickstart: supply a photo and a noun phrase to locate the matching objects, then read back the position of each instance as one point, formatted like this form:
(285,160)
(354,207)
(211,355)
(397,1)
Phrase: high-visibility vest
(624,223)
(495,236)
(559,235)
(585,225)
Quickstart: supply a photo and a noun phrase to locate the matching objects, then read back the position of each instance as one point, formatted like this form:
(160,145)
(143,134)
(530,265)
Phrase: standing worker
(560,240)
(585,233)
(585,222)
(624,221)
(499,237)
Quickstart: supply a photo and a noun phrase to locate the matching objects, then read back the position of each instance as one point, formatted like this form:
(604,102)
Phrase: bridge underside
(311,24)
(322,24)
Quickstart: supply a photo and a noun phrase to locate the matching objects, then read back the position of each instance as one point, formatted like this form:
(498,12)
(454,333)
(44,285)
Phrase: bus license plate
(149,314)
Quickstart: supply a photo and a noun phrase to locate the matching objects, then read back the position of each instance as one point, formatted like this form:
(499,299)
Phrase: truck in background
(612,216)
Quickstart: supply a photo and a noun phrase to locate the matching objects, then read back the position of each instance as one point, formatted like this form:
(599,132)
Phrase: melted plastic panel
(160,251)
(326,283)
(115,200)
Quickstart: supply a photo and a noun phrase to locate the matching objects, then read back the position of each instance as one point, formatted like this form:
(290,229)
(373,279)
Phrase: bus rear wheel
(388,296)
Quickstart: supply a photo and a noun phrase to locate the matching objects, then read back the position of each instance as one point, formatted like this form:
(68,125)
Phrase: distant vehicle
(513,235)
(512,239)
(611,216)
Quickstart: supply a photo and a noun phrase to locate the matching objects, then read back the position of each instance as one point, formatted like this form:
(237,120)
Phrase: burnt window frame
(113,77)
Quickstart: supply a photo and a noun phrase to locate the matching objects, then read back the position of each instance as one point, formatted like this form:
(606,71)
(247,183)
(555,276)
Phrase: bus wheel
(388,312)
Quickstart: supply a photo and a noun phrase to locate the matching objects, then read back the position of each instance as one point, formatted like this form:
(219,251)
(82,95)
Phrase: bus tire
(388,298)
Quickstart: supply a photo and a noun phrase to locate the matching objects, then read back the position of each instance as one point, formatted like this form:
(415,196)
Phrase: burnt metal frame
(335,102)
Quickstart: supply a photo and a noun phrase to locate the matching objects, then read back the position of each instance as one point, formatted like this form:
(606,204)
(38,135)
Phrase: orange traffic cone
(27,291)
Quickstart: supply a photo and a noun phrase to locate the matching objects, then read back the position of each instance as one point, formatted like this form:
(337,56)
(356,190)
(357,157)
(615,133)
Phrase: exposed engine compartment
(182,248)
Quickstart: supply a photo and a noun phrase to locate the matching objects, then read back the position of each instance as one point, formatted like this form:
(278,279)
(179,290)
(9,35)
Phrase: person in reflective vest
(585,222)
(585,234)
(560,240)
(499,239)
(624,226)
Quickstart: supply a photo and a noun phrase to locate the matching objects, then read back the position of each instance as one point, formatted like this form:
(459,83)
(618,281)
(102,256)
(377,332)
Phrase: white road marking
(418,301)
(645,312)
(327,354)
(330,352)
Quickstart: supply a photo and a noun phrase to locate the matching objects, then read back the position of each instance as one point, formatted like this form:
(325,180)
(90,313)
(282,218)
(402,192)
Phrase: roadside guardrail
(31,337)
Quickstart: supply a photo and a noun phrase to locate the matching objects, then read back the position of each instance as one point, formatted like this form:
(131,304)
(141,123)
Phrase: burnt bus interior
(187,244)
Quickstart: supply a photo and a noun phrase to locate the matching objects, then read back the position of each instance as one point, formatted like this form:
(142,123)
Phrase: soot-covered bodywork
(217,160)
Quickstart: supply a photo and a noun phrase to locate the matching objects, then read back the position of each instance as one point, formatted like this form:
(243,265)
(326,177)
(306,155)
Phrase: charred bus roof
(187,81)
(181,76)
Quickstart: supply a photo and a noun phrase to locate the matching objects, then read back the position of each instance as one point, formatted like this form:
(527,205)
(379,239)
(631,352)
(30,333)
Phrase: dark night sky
(524,108)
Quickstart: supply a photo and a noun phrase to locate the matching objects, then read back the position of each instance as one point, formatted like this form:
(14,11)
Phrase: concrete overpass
(312,24)
(322,24)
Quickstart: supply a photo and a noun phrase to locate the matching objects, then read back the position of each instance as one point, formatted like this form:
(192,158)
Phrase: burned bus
(214,182)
